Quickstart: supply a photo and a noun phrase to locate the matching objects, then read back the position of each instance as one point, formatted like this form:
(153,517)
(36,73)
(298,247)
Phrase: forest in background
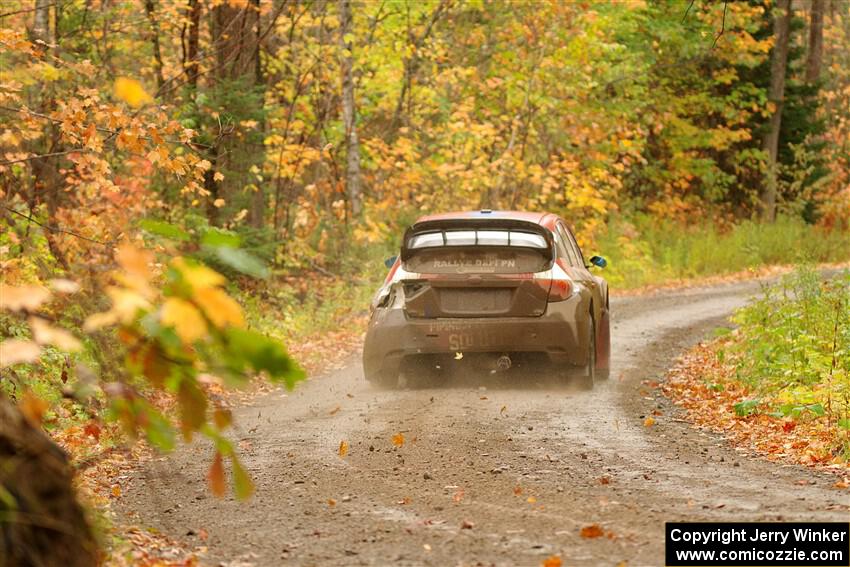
(186,185)
(314,128)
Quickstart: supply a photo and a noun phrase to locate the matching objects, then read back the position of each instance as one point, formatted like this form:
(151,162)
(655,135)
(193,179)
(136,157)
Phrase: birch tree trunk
(41,25)
(776,95)
(349,115)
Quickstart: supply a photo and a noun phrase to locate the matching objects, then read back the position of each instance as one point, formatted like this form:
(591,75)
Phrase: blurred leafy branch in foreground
(180,333)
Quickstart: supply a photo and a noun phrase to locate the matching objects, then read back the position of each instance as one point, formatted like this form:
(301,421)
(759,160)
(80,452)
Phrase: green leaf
(844,423)
(243,486)
(217,237)
(193,407)
(241,261)
(747,407)
(262,354)
(158,431)
(164,229)
(816,409)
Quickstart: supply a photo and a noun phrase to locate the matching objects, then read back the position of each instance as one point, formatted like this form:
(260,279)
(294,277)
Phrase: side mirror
(390,261)
(598,261)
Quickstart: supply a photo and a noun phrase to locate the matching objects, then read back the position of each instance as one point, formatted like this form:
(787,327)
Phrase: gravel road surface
(501,471)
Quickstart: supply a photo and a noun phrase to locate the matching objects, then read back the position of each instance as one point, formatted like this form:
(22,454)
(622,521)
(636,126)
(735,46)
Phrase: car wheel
(587,377)
(384,380)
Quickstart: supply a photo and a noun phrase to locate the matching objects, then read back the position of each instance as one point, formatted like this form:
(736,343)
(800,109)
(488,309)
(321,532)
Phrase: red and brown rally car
(489,287)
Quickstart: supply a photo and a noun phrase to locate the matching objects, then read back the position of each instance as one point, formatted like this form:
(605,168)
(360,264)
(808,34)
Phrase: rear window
(514,238)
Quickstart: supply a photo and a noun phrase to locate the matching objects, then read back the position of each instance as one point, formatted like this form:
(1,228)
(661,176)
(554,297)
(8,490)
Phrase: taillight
(560,290)
(557,281)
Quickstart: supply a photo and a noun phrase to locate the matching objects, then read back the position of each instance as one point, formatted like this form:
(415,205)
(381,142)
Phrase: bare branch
(56,229)
(723,23)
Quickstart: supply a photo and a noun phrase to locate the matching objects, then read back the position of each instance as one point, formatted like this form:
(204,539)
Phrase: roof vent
(486,211)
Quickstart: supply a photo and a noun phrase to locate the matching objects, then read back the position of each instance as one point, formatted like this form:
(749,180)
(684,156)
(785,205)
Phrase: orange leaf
(398,439)
(552,561)
(116,491)
(222,418)
(517,490)
(33,408)
(216,476)
(93,430)
(649,422)
(343,448)
(591,531)
(131,91)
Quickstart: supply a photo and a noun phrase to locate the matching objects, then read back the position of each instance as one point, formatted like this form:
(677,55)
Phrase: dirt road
(490,473)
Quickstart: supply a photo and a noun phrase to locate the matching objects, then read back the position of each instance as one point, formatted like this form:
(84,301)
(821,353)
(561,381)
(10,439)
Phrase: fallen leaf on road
(216,476)
(845,483)
(335,410)
(504,409)
(649,421)
(343,448)
(531,500)
(458,496)
(552,561)
(466,525)
(517,490)
(591,531)
(116,490)
(604,480)
(398,439)
(331,502)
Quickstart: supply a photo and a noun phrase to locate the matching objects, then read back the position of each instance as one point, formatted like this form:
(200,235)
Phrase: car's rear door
(472,268)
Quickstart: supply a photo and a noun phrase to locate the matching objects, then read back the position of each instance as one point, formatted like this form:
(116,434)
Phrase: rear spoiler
(449,225)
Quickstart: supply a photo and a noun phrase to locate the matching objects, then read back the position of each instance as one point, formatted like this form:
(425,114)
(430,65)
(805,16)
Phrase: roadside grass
(651,252)
(780,382)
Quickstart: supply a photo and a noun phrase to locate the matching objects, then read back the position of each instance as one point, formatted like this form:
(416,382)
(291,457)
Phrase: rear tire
(585,381)
(384,380)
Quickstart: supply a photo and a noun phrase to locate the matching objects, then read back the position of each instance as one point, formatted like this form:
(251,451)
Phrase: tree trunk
(41,522)
(236,31)
(190,53)
(349,114)
(815,55)
(157,53)
(776,95)
(41,25)
(258,199)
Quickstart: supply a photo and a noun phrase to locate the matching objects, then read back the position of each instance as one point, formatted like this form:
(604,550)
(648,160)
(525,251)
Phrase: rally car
(493,289)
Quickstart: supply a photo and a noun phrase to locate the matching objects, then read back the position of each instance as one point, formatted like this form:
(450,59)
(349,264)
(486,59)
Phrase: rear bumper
(560,334)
